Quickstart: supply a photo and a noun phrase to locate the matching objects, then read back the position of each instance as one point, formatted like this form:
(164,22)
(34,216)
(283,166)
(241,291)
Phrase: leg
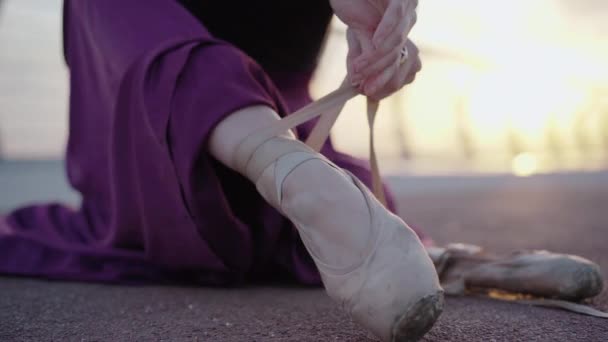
(307,192)
(369,260)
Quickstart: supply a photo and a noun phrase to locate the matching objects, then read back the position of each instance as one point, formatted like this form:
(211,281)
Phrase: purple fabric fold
(147,87)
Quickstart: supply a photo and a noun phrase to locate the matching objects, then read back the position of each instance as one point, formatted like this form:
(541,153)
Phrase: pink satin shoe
(392,289)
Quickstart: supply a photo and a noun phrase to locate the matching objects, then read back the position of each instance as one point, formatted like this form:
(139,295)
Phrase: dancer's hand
(386,80)
(377,32)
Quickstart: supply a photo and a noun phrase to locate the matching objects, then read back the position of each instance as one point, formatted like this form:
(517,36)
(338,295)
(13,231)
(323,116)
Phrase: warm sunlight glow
(524,164)
(498,79)
(522,97)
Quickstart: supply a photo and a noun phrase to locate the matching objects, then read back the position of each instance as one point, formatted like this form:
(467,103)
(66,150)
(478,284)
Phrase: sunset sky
(513,77)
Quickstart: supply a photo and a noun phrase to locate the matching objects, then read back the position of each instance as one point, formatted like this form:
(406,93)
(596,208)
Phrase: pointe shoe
(392,289)
(538,273)
(538,278)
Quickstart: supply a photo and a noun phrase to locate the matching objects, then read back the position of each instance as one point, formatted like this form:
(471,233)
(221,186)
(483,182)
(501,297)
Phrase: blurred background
(517,87)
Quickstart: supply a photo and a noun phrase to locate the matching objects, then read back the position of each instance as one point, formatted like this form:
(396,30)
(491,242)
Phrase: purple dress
(147,85)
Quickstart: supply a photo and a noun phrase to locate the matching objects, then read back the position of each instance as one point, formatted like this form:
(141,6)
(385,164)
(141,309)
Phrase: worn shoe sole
(418,319)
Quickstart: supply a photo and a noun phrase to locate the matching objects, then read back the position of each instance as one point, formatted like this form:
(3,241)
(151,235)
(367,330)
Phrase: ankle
(312,191)
(308,205)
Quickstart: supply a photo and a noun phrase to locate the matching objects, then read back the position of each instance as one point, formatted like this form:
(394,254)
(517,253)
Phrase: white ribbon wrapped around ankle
(328,108)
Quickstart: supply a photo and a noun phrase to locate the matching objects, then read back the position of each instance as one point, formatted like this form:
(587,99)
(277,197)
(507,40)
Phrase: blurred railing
(586,138)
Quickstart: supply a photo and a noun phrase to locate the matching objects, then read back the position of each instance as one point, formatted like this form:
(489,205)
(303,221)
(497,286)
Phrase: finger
(379,5)
(398,36)
(373,84)
(365,40)
(410,68)
(389,49)
(396,11)
(376,84)
(367,48)
(396,39)
(354,50)
(384,62)
(411,74)
(393,85)
(406,75)
(391,18)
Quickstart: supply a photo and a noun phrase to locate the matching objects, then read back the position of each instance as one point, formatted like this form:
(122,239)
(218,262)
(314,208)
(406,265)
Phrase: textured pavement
(567,214)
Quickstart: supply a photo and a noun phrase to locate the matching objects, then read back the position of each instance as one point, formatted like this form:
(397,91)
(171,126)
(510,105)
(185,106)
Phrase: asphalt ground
(566,213)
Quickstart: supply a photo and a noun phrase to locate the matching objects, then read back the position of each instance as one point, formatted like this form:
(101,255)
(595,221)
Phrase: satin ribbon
(328,108)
